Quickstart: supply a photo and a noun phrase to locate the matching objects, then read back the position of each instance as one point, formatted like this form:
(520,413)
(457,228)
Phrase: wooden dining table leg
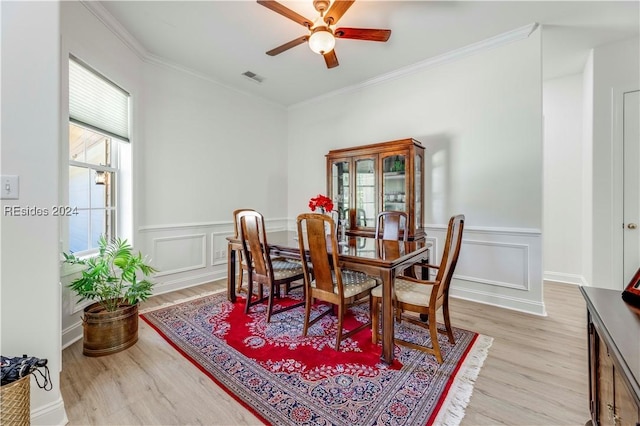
(387,317)
(231,274)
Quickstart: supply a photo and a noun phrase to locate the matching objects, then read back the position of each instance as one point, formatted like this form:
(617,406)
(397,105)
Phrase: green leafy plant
(114,276)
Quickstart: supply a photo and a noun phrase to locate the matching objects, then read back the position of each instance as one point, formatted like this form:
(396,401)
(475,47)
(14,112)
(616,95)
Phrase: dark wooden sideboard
(614,358)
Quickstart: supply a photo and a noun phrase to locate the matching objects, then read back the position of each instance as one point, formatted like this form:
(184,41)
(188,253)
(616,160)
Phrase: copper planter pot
(108,332)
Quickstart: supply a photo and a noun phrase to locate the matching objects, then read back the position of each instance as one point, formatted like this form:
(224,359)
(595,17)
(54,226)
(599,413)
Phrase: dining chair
(330,282)
(392,225)
(263,269)
(426,297)
(241,260)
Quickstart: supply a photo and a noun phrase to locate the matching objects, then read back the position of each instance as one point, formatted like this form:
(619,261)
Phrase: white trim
(617,179)
(52,413)
(453,55)
(525,265)
(490,230)
(79,306)
(203,260)
(115,27)
(212,257)
(562,277)
(173,226)
(72,334)
(500,301)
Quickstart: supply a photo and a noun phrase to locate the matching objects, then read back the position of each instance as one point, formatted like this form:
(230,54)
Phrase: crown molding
(115,27)
(134,45)
(453,55)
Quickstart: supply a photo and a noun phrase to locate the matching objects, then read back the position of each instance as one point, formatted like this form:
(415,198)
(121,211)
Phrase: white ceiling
(222,39)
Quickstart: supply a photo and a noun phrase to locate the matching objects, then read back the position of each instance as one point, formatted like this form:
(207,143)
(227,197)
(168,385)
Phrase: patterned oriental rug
(287,379)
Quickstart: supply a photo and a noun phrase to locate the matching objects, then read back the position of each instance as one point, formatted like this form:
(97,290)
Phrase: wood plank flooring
(535,374)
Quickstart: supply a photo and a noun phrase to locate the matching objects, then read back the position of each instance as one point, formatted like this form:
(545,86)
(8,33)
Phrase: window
(99,158)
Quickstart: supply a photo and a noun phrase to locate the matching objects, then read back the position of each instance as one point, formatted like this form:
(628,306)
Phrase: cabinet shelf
(394,175)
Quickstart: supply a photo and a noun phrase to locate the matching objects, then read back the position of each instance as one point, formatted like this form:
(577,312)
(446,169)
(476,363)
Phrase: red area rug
(287,379)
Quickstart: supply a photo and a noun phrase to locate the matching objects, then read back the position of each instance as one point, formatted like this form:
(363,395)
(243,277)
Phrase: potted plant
(116,279)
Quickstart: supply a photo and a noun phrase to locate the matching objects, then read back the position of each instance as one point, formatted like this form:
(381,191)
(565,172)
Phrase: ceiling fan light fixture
(322,40)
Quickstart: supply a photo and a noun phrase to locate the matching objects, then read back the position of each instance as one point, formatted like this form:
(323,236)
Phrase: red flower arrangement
(321,202)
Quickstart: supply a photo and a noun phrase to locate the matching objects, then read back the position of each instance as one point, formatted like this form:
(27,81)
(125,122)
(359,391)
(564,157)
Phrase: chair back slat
(322,248)
(392,225)
(236,223)
(449,256)
(254,243)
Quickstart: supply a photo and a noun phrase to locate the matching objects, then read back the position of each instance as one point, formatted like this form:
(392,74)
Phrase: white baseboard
(501,301)
(50,414)
(72,334)
(565,278)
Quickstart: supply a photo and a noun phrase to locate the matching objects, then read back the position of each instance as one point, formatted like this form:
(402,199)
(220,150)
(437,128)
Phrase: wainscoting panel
(180,253)
(494,263)
(186,254)
(497,266)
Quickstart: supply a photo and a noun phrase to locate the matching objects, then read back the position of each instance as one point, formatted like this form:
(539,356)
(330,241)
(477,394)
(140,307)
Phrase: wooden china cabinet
(365,180)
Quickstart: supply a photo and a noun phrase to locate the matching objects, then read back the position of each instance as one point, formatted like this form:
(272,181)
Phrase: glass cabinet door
(366,208)
(394,196)
(341,193)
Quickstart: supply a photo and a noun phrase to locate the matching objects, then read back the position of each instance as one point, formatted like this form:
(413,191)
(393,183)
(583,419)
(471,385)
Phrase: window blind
(96,102)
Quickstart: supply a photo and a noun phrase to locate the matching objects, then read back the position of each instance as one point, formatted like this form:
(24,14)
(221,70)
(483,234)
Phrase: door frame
(617,160)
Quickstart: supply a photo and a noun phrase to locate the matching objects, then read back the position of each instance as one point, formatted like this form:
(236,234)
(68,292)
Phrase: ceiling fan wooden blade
(370,34)
(331,59)
(337,9)
(286,12)
(287,46)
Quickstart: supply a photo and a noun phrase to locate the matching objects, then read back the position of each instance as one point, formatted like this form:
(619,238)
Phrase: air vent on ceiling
(253,76)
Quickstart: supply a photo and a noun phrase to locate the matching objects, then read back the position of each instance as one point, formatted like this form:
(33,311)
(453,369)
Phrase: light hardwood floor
(535,374)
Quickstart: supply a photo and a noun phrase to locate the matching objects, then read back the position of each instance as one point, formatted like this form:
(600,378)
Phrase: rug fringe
(178,301)
(461,389)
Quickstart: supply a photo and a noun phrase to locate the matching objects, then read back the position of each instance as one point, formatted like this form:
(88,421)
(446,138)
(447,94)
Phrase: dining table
(383,259)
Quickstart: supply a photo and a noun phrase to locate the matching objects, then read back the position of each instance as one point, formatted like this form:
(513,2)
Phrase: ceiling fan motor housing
(321,5)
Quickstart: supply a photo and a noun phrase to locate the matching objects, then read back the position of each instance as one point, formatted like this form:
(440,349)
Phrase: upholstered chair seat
(354,283)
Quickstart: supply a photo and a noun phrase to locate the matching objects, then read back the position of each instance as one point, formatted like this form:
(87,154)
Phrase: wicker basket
(15,404)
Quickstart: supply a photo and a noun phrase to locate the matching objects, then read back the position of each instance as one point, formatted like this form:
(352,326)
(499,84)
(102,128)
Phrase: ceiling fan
(322,37)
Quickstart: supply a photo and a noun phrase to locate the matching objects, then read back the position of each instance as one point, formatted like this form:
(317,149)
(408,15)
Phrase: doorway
(631,183)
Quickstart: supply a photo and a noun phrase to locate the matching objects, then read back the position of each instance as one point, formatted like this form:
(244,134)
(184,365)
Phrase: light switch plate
(10,187)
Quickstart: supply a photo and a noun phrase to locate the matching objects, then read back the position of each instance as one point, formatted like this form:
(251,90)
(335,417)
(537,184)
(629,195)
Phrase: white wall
(208,150)
(480,118)
(563,195)
(30,303)
(616,67)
